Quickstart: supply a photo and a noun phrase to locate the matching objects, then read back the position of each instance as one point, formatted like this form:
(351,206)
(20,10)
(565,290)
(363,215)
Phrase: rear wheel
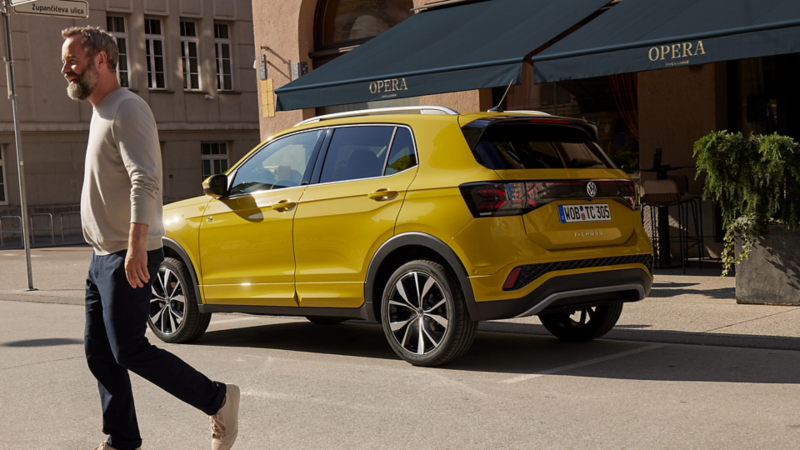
(326,320)
(174,316)
(425,318)
(582,325)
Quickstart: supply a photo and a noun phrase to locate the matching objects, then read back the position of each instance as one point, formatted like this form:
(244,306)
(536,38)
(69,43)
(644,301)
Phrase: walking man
(121,207)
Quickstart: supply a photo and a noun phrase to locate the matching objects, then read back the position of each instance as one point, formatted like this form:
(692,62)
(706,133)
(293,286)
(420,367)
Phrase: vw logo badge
(591,189)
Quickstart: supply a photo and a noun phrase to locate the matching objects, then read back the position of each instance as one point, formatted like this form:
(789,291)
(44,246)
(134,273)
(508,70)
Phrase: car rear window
(506,146)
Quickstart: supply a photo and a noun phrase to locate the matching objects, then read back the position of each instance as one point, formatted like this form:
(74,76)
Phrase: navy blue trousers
(116,320)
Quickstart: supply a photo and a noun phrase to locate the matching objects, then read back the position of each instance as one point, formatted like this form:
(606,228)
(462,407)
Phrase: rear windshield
(538,146)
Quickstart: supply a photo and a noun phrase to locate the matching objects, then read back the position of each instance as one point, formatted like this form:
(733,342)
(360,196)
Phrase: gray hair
(96,40)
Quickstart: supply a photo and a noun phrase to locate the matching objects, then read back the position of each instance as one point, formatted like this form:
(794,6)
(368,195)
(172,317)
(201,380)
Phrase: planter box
(772,274)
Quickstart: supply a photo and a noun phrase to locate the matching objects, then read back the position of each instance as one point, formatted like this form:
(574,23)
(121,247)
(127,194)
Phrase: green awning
(469,46)
(642,35)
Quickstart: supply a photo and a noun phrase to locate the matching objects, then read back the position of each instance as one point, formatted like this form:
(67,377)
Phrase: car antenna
(498,107)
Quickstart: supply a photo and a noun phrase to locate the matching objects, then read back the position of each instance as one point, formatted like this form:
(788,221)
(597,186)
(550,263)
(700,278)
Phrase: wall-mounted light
(299,69)
(262,69)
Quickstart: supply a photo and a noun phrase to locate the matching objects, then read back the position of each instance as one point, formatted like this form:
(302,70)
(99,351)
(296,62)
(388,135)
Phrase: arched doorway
(342,25)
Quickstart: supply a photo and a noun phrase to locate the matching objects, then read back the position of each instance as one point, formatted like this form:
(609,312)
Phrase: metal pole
(12,94)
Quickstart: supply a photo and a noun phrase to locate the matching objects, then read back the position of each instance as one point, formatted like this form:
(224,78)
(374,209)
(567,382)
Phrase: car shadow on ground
(533,352)
(671,289)
(42,342)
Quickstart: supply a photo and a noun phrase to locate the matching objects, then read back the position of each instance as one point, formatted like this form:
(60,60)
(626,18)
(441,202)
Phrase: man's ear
(101,59)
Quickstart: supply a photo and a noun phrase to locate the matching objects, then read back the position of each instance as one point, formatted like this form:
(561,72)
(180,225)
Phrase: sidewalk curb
(37,246)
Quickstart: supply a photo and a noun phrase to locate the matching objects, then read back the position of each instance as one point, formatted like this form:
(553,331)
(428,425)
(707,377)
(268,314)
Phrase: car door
(349,210)
(246,253)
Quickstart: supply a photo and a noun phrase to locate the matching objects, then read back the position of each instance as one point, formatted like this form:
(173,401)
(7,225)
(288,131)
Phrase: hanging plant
(755,181)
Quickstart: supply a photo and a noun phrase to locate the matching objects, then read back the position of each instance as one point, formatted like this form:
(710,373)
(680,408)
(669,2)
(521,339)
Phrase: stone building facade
(191,60)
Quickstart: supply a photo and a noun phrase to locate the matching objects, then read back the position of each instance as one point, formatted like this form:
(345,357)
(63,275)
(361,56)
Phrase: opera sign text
(676,51)
(391,85)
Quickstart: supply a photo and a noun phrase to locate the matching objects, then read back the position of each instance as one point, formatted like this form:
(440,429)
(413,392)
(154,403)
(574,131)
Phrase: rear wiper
(582,162)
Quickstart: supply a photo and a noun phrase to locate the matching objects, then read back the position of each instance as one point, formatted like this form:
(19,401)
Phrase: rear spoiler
(474,130)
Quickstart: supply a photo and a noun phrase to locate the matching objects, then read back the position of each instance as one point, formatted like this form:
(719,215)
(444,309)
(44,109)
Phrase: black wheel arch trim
(175,247)
(423,240)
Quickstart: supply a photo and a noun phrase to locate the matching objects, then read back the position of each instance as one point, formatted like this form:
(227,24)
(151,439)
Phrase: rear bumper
(570,292)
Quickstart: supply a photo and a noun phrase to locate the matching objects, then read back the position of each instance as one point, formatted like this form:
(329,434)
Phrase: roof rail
(369,112)
(529,111)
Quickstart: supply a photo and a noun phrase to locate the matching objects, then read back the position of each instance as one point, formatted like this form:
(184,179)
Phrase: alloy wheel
(418,313)
(168,302)
(579,319)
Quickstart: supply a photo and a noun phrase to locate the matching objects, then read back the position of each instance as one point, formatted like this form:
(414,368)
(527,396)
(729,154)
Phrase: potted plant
(756,183)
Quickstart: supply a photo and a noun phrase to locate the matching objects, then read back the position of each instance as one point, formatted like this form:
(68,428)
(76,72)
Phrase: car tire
(325,320)
(424,315)
(591,323)
(174,316)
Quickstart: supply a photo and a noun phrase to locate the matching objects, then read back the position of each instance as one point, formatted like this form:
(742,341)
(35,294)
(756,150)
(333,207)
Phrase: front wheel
(174,316)
(582,325)
(425,318)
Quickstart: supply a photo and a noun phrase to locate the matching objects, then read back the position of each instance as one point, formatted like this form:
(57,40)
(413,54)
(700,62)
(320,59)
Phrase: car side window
(279,164)
(402,155)
(355,153)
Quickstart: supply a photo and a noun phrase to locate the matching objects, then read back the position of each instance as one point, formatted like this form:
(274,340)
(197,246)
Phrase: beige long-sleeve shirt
(122,180)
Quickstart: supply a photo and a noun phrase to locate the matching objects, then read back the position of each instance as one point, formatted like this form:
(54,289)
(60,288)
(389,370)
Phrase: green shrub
(755,181)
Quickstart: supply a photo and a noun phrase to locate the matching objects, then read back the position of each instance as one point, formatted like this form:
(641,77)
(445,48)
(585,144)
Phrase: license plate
(584,213)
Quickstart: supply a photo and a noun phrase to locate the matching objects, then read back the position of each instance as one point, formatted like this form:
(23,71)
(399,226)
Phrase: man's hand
(136,259)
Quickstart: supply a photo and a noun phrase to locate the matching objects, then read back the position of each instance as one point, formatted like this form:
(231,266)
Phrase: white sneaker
(225,423)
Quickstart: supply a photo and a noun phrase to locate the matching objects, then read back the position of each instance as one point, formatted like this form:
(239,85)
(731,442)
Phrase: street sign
(55,8)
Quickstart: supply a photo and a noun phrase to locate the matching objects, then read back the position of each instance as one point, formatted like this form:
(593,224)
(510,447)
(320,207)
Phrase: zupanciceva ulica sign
(76,9)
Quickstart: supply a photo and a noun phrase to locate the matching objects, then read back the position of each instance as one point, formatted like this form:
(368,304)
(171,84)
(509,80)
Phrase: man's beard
(84,83)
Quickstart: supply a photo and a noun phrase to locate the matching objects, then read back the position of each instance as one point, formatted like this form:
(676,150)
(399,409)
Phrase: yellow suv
(423,219)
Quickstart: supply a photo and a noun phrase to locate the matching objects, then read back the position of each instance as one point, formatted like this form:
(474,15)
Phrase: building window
(116,27)
(3,193)
(214,158)
(341,25)
(191,72)
(154,49)
(222,42)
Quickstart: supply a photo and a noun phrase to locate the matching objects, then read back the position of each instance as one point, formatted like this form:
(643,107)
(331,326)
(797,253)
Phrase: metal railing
(73,213)
(34,230)
(2,231)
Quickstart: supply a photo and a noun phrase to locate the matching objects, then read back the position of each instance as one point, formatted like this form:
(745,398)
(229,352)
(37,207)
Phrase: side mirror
(216,186)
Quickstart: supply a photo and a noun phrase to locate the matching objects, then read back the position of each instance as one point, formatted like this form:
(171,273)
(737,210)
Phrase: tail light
(512,199)
(627,190)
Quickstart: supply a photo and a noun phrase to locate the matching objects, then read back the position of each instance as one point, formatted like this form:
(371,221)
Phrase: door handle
(382,195)
(283,206)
